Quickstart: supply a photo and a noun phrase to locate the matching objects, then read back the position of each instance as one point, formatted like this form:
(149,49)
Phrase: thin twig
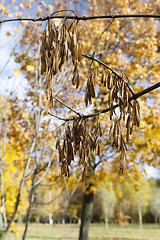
(59,11)
(107,27)
(21,186)
(62,119)
(44,174)
(52,130)
(66,106)
(84,18)
(31,200)
(52,200)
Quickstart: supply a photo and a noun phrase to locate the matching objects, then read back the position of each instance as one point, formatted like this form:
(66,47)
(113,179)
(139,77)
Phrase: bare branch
(21,185)
(83,18)
(44,174)
(66,106)
(52,200)
(62,119)
(107,27)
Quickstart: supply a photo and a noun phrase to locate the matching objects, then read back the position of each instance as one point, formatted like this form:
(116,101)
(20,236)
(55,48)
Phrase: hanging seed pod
(79,54)
(86,97)
(68,133)
(68,173)
(104,82)
(109,81)
(60,154)
(57,143)
(91,89)
(137,113)
(122,162)
(98,149)
(74,78)
(43,63)
(84,175)
(77,80)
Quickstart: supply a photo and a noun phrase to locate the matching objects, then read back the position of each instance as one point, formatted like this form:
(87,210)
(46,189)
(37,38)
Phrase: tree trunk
(156,219)
(86,214)
(50,219)
(50,214)
(2,162)
(106,215)
(79,221)
(63,220)
(140,217)
(31,200)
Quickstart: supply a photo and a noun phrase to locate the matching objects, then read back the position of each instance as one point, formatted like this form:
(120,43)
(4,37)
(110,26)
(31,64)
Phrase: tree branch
(66,105)
(82,18)
(59,118)
(134,97)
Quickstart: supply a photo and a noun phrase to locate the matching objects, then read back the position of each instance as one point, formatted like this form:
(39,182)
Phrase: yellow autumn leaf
(16,7)
(8,34)
(22,4)
(18,233)
(5,10)
(18,29)
(18,14)
(25,115)
(17,72)
(119,194)
(11,15)
(29,6)
(30,68)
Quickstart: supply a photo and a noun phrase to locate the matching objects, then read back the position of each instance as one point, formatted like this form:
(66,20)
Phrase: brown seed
(79,52)
(91,90)
(77,80)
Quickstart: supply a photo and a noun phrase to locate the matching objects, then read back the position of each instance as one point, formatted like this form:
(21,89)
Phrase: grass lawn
(97,231)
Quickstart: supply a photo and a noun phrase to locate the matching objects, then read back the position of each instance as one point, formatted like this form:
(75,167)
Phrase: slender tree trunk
(50,214)
(106,216)
(4,218)
(140,217)
(156,219)
(63,220)
(20,187)
(79,221)
(86,214)
(31,200)
(2,161)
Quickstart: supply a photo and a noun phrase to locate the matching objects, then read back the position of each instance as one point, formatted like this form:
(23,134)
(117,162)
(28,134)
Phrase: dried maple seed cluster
(78,141)
(119,93)
(122,162)
(90,92)
(57,42)
(116,134)
(118,142)
(133,119)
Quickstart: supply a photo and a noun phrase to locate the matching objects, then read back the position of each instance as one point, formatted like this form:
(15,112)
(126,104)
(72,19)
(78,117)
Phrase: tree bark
(140,217)
(2,162)
(31,200)
(86,214)
(106,215)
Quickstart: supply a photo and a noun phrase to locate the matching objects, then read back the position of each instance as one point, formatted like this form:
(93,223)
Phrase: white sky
(8,81)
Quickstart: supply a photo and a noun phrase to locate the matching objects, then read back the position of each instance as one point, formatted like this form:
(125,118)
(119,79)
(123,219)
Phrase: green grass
(97,231)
